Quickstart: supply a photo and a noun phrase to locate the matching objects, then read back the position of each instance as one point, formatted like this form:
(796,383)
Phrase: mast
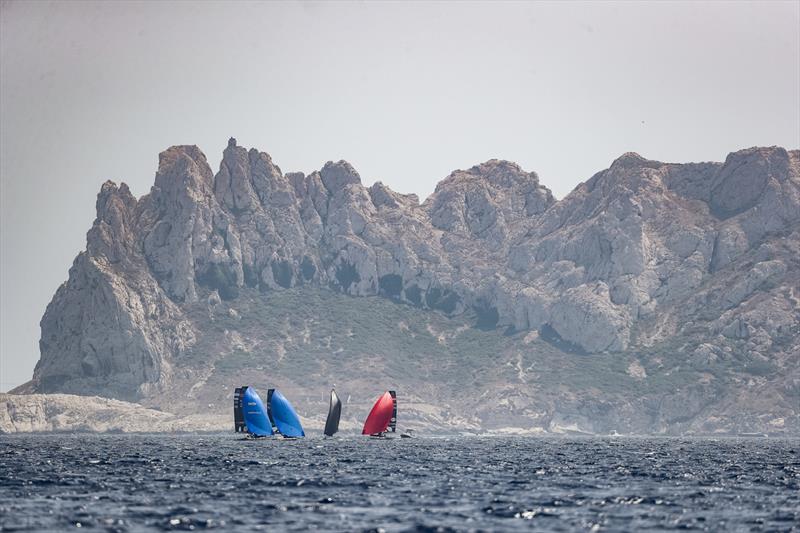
(393,421)
(270,392)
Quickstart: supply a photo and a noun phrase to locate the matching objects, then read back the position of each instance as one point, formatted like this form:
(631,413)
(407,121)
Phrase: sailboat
(283,416)
(249,414)
(383,416)
(334,413)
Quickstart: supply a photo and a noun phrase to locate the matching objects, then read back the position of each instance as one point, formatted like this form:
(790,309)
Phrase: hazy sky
(406,92)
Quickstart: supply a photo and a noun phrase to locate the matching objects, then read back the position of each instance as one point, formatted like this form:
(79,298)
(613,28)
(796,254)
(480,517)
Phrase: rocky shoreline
(67,413)
(36,413)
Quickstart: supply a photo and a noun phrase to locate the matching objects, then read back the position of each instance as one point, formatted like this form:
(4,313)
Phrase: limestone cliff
(655,297)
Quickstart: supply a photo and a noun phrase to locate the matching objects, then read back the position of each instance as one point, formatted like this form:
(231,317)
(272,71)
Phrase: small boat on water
(278,417)
(252,417)
(334,414)
(284,418)
(249,414)
(383,416)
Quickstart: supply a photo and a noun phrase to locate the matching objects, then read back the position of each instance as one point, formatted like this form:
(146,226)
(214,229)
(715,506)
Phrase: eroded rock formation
(698,259)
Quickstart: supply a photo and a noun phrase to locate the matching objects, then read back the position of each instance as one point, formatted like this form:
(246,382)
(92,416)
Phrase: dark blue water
(154,482)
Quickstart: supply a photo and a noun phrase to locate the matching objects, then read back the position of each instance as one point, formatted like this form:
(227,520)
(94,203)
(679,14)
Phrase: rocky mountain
(654,298)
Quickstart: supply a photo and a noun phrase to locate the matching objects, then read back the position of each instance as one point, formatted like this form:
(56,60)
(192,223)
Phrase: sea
(124,482)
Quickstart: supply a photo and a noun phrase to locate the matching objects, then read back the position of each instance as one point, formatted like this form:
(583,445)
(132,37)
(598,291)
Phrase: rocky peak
(628,174)
(494,174)
(485,199)
(112,198)
(111,234)
(744,177)
(384,196)
(183,177)
(501,174)
(336,176)
(233,184)
(183,159)
(632,161)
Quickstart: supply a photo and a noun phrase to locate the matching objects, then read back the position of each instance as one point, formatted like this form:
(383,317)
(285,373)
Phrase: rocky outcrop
(124,329)
(585,316)
(32,413)
(700,258)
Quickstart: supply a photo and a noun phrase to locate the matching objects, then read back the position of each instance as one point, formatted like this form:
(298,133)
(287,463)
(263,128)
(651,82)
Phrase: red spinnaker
(380,416)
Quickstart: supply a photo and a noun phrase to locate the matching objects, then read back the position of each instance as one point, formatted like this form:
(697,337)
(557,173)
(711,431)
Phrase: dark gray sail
(334,413)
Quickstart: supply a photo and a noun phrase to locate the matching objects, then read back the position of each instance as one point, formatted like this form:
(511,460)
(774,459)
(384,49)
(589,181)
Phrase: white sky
(406,92)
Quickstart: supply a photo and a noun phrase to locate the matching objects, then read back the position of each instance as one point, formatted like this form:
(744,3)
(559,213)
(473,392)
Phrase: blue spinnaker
(284,416)
(255,414)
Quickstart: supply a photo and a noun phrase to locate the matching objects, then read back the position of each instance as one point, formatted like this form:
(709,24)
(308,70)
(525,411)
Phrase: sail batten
(334,414)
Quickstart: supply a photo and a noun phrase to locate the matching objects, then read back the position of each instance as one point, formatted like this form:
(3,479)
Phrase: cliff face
(676,285)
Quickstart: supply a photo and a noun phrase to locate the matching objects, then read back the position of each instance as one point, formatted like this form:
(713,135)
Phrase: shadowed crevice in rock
(442,300)
(414,295)
(251,276)
(548,334)
(308,269)
(391,285)
(347,275)
(487,316)
(220,278)
(282,273)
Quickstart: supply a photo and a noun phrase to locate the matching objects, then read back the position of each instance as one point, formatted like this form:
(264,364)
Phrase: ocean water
(158,482)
